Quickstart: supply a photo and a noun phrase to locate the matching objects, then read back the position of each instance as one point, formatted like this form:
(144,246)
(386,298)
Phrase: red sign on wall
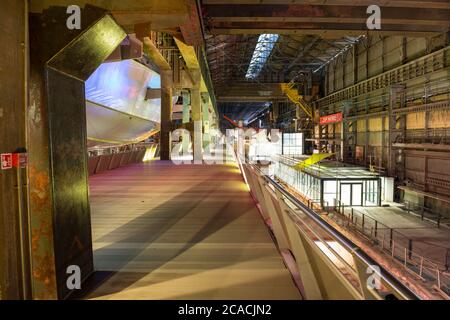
(6,161)
(331,118)
(20,160)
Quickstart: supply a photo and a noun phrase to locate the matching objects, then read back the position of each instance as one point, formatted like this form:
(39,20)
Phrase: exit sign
(6,161)
(331,118)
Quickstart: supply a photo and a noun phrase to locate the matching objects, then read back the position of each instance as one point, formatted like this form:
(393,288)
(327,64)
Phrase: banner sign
(331,118)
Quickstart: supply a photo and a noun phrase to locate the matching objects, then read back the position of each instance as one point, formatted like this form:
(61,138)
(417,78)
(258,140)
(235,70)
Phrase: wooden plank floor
(182,232)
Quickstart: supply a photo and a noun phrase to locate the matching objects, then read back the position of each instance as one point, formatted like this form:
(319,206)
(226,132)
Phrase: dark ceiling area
(229,56)
(335,18)
(246,111)
(310,32)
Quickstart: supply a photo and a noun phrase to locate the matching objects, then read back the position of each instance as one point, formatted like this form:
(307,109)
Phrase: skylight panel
(263,48)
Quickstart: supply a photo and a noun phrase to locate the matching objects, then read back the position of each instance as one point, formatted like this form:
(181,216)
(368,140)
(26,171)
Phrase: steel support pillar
(186,119)
(367,136)
(197,117)
(166,113)
(395,133)
(61,60)
(346,105)
(206,122)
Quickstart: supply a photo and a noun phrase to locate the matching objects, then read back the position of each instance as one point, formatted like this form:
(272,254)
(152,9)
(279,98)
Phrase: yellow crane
(293,95)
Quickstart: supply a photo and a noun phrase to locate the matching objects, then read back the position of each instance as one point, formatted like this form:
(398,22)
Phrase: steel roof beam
(434,4)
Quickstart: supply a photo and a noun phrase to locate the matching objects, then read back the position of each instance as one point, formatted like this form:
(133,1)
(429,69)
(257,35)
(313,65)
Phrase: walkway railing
(112,157)
(424,212)
(428,262)
(286,211)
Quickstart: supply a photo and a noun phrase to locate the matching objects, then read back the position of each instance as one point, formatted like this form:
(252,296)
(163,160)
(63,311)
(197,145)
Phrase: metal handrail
(111,149)
(393,282)
(411,207)
(411,259)
(348,267)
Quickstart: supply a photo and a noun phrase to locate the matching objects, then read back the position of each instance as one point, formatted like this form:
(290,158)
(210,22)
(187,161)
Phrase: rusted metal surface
(162,14)
(59,206)
(192,31)
(12,133)
(166,112)
(80,58)
(71,212)
(322,17)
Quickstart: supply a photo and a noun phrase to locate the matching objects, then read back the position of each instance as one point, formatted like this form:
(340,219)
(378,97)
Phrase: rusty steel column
(206,123)
(395,101)
(196,105)
(186,119)
(346,105)
(14,248)
(61,60)
(166,113)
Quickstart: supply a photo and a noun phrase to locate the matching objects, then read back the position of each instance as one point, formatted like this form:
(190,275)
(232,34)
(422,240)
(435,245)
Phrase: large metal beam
(321,13)
(192,31)
(348,21)
(166,112)
(162,14)
(252,89)
(189,54)
(323,33)
(154,54)
(422,146)
(191,58)
(253,85)
(294,18)
(247,98)
(196,105)
(436,4)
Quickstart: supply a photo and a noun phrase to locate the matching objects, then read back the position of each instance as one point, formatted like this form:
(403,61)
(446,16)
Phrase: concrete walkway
(182,232)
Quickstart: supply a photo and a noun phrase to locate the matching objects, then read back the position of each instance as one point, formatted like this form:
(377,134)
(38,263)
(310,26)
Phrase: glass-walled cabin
(331,183)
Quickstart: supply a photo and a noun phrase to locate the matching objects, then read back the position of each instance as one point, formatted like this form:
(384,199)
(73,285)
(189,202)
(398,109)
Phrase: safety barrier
(427,261)
(425,213)
(115,157)
(330,265)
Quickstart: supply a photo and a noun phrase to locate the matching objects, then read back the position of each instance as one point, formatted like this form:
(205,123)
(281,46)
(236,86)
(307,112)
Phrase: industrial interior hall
(225,149)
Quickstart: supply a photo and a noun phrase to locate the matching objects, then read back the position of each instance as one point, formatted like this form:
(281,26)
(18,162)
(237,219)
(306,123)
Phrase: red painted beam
(192,31)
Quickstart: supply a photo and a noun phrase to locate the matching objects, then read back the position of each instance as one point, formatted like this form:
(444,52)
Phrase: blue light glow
(122,86)
(155,82)
(263,48)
